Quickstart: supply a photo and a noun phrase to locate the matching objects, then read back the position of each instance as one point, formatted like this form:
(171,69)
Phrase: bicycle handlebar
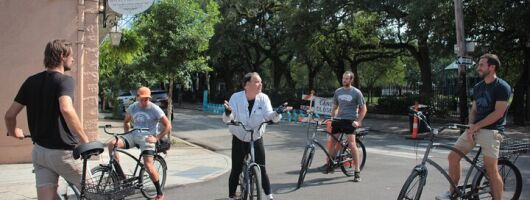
(238,123)
(458,126)
(125,133)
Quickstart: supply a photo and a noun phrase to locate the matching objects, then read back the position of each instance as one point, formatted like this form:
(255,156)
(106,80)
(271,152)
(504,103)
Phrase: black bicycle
(343,158)
(250,177)
(111,182)
(479,187)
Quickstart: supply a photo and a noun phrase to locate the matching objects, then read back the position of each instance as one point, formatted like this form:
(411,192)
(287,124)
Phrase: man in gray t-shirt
(347,113)
(144,114)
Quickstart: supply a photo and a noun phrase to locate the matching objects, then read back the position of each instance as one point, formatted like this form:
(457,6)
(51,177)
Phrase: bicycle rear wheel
(307,158)
(511,177)
(255,183)
(148,187)
(348,162)
(413,187)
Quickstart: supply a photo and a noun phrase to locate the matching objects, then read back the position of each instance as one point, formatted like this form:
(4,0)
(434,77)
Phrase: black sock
(158,189)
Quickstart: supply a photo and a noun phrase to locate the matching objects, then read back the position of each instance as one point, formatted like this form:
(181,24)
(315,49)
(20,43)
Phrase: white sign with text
(130,7)
(322,106)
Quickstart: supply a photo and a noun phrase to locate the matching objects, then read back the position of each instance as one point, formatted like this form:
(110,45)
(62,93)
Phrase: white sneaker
(444,196)
(270,197)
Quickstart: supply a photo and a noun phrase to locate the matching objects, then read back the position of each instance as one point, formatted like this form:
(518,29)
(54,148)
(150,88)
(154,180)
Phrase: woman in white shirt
(250,107)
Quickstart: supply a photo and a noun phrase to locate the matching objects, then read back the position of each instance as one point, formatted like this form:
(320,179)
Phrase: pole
(459,21)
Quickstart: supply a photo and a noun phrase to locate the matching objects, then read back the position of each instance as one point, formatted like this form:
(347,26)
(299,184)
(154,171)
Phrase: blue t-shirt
(486,95)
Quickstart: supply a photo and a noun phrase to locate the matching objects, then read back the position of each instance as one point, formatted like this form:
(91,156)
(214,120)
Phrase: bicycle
(479,187)
(343,158)
(110,182)
(250,177)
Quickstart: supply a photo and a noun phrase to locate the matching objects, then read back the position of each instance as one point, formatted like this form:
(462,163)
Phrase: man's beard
(67,68)
(483,74)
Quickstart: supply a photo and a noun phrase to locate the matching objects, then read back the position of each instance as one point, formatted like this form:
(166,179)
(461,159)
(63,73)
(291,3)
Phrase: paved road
(390,160)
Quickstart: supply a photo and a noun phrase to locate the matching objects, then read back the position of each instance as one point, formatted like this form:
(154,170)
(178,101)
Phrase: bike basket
(99,189)
(163,145)
(510,147)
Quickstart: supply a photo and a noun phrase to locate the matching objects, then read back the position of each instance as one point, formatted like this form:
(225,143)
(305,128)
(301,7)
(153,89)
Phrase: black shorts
(342,126)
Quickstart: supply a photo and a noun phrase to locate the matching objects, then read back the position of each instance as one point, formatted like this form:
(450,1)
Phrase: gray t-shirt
(148,117)
(348,100)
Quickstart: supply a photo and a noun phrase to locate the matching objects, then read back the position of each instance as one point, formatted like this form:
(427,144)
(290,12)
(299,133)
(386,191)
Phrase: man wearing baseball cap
(144,114)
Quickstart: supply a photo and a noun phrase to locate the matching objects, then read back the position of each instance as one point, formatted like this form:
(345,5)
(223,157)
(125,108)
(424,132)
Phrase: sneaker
(270,197)
(326,169)
(357,177)
(444,196)
(159,197)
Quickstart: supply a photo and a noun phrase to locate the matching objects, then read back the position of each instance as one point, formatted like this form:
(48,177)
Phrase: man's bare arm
(71,118)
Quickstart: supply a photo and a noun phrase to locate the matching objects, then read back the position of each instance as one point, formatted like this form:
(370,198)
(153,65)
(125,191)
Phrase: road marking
(402,154)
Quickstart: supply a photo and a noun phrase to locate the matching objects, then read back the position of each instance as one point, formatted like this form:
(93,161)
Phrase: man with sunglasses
(144,114)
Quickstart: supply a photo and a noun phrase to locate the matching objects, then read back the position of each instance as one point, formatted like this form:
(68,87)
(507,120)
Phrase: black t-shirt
(250,105)
(486,95)
(40,94)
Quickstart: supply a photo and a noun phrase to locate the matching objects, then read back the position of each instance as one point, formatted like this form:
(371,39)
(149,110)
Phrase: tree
(114,63)
(501,27)
(420,27)
(177,33)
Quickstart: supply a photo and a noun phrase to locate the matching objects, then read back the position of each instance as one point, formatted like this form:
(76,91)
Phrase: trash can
(422,127)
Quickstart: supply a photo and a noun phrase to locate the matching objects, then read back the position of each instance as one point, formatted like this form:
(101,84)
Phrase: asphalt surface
(390,160)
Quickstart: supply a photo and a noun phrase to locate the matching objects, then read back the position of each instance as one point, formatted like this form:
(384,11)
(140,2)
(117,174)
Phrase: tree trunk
(311,76)
(169,113)
(425,68)
(521,87)
(354,69)
(339,70)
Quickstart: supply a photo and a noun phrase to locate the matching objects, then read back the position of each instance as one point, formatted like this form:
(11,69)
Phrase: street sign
(130,7)
(462,60)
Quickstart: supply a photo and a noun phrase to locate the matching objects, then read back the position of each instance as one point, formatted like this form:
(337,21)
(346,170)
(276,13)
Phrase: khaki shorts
(49,164)
(137,140)
(489,140)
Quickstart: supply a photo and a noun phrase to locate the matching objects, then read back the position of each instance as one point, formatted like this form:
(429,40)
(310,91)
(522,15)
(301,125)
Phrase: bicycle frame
(250,161)
(422,169)
(311,141)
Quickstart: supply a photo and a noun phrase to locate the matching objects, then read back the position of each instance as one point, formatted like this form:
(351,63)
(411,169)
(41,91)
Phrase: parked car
(126,98)
(160,98)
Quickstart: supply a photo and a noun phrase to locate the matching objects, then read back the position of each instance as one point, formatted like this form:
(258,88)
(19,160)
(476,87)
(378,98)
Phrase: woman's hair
(248,77)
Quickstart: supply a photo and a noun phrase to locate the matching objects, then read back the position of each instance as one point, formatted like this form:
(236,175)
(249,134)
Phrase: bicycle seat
(84,151)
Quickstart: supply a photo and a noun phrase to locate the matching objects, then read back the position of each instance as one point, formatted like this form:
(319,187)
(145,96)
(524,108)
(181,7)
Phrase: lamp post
(115,37)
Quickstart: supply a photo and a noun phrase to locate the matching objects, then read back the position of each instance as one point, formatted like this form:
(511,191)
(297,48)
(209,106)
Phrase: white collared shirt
(261,112)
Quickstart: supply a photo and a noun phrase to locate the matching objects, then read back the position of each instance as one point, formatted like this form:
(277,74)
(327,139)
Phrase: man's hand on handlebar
(356,124)
(283,108)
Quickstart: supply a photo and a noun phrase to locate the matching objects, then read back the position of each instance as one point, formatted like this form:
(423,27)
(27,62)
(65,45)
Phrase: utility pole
(459,21)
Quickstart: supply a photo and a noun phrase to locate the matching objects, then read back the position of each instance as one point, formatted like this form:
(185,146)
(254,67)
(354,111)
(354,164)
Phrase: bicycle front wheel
(348,161)
(255,183)
(307,158)
(148,187)
(511,177)
(413,187)
(104,179)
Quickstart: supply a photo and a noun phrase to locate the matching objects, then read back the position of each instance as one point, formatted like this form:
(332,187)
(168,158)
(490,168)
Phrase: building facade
(26,27)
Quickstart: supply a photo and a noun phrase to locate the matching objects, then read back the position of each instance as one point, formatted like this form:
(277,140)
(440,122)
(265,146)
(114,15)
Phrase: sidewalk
(187,163)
